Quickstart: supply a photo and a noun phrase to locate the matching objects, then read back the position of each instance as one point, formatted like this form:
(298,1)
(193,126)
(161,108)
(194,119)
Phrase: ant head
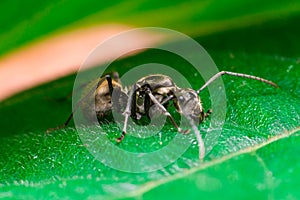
(188,103)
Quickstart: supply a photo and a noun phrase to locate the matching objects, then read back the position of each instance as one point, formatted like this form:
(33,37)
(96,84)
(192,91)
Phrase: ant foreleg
(127,112)
(165,112)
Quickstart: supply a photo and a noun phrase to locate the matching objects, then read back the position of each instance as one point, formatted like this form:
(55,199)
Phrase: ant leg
(61,126)
(147,104)
(76,108)
(165,112)
(111,90)
(167,99)
(127,112)
(207,114)
(212,79)
(133,104)
(110,86)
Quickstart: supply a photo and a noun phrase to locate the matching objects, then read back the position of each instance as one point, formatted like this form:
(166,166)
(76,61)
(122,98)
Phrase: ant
(150,96)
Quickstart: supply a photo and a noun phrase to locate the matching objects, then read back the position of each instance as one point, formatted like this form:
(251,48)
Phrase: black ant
(150,96)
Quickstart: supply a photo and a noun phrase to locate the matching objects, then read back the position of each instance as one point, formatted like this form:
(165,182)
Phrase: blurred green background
(255,156)
(25,21)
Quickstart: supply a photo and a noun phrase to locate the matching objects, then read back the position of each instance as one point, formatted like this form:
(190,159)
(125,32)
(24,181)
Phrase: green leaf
(253,154)
(58,165)
(261,171)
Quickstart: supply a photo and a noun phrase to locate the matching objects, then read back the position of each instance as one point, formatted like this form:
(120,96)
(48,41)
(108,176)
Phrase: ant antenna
(234,74)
